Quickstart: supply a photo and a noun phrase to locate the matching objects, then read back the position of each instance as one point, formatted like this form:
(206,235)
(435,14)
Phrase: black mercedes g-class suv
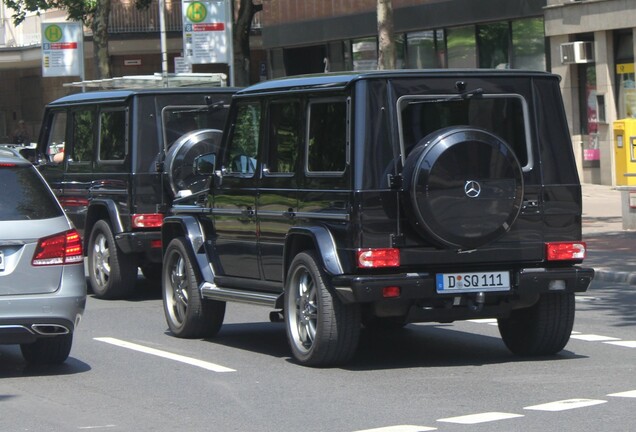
(116,160)
(384,198)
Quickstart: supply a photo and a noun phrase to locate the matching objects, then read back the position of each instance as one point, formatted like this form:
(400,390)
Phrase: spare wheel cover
(464,186)
(181,155)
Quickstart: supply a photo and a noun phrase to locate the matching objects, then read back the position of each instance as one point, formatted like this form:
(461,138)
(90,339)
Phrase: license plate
(471,282)
(1,261)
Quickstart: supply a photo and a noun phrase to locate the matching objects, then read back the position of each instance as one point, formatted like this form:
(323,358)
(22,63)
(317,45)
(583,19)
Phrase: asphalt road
(127,373)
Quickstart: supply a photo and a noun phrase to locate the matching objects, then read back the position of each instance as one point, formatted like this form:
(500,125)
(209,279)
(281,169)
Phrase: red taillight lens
(147,220)
(391,291)
(64,248)
(7,165)
(563,251)
(374,258)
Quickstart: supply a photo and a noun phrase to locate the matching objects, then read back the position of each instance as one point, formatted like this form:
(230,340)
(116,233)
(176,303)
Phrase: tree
(241,40)
(386,38)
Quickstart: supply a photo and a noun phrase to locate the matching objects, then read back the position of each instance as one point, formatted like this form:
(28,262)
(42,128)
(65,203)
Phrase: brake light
(63,248)
(562,251)
(7,165)
(147,220)
(375,258)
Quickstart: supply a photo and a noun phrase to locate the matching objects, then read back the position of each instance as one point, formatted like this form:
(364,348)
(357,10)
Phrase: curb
(608,275)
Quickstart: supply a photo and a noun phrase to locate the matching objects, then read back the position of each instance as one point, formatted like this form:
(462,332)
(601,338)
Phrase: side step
(213,292)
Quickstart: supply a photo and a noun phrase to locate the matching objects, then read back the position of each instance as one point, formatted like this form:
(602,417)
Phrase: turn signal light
(375,258)
(147,220)
(64,248)
(563,251)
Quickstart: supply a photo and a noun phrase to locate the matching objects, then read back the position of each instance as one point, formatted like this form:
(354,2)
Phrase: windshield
(503,115)
(25,196)
(179,120)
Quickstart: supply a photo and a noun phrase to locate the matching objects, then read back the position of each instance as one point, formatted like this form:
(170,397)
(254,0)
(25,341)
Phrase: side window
(57,138)
(243,146)
(112,135)
(327,137)
(284,137)
(83,136)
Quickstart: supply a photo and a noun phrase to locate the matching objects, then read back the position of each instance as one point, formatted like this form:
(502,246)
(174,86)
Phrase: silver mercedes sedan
(42,281)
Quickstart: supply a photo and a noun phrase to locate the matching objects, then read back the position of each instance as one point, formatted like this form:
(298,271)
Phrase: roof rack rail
(154,81)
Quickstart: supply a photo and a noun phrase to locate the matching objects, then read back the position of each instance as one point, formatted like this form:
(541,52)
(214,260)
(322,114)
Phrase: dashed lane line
(400,428)
(165,354)
(575,335)
(471,419)
(480,418)
(564,405)
(627,344)
(593,337)
(625,394)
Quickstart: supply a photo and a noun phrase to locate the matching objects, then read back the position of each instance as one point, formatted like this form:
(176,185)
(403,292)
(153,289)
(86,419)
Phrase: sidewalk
(611,250)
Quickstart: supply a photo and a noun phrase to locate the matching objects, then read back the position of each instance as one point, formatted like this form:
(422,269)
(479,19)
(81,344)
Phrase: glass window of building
(462,47)
(528,44)
(625,77)
(365,54)
(425,50)
(400,51)
(493,41)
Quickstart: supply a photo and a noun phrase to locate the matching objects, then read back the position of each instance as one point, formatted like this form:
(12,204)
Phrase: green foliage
(78,10)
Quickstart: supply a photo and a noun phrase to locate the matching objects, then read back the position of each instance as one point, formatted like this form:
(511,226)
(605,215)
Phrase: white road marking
(593,337)
(168,355)
(627,344)
(400,428)
(492,321)
(97,427)
(480,418)
(565,405)
(585,298)
(627,394)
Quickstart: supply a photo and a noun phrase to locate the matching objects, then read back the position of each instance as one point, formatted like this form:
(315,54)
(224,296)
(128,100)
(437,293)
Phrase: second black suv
(116,160)
(383,198)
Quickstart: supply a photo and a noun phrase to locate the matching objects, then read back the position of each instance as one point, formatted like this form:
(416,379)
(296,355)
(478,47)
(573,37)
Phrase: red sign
(209,27)
(63,45)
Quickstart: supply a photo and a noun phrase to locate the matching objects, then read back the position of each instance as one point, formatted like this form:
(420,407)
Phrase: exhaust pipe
(50,329)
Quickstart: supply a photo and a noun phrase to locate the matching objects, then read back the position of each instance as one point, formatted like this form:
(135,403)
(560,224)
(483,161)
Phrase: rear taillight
(564,251)
(63,248)
(375,258)
(147,220)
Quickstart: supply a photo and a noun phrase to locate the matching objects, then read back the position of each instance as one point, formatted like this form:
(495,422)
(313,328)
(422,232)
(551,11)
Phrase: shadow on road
(413,346)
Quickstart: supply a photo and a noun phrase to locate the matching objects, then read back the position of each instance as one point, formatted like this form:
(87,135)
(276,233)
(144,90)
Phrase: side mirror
(205,164)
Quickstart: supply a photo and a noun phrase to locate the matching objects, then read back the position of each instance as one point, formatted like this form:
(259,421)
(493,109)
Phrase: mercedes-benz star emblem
(472,188)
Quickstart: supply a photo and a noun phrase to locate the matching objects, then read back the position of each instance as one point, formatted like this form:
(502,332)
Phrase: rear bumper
(24,318)
(145,242)
(420,289)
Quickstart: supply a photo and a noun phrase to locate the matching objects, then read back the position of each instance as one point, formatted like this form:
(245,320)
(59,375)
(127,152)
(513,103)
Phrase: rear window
(503,115)
(25,196)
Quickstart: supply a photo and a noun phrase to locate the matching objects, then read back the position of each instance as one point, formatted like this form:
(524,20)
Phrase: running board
(213,292)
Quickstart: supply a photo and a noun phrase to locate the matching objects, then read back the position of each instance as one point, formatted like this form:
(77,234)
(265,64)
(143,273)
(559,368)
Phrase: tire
(49,350)
(112,273)
(321,330)
(463,187)
(542,329)
(188,315)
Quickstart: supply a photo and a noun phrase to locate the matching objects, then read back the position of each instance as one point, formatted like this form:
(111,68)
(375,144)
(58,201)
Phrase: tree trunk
(99,26)
(386,38)
(241,41)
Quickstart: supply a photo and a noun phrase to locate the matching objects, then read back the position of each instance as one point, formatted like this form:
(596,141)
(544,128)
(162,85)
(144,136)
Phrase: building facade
(589,43)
